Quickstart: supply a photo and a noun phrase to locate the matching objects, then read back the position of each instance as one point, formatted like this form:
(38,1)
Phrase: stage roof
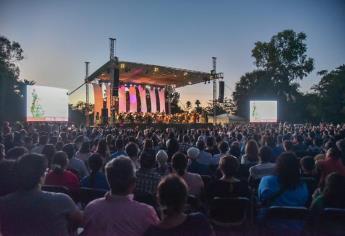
(139,73)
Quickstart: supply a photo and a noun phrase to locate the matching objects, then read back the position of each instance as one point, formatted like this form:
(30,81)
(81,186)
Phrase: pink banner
(142,93)
(161,93)
(133,107)
(122,99)
(153,100)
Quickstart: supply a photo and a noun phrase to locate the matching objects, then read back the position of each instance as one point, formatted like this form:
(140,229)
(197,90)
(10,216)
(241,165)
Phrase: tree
(12,89)
(331,92)
(174,101)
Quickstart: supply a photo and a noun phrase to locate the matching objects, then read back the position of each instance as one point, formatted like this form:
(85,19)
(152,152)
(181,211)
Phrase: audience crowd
(162,182)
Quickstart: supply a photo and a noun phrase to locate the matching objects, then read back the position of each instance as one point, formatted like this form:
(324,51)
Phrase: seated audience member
(251,153)
(172,147)
(84,152)
(15,152)
(332,163)
(285,188)
(185,145)
(265,167)
(43,140)
(132,151)
(224,149)
(307,164)
(7,177)
(30,211)
(201,160)
(288,146)
(147,177)
(193,181)
(96,179)
(333,194)
(118,214)
(228,185)
(235,149)
(172,197)
(119,146)
(315,147)
(48,151)
(211,146)
(74,164)
(103,150)
(162,165)
(299,147)
(59,175)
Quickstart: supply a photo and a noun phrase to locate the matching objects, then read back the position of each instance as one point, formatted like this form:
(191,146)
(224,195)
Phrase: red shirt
(328,166)
(66,179)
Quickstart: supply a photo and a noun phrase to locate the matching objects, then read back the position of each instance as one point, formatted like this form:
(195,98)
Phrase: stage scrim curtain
(122,99)
(153,100)
(142,93)
(98,96)
(161,93)
(133,107)
(108,92)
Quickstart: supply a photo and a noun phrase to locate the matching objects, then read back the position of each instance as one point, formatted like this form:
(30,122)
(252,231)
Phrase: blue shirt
(99,182)
(269,185)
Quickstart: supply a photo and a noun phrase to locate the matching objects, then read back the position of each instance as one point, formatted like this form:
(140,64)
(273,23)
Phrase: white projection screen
(46,104)
(263,111)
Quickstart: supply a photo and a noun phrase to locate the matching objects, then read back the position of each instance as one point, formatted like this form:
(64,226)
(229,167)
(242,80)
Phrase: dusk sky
(58,36)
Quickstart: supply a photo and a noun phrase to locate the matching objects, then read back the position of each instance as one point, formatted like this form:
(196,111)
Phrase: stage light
(185,73)
(122,65)
(189,82)
(156,69)
(126,89)
(148,86)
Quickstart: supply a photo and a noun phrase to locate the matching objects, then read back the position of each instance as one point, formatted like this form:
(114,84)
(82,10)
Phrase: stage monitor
(46,103)
(263,111)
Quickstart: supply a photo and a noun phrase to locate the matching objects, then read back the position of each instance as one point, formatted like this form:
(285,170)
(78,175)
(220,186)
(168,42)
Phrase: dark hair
(288,145)
(228,165)
(119,143)
(59,162)
(223,147)
(120,175)
(172,193)
(7,177)
(172,147)
(132,149)
(95,163)
(210,141)
(235,150)
(59,146)
(102,147)
(69,150)
(147,159)
(48,151)
(265,154)
(287,170)
(43,140)
(334,153)
(251,150)
(308,163)
(186,139)
(15,152)
(29,170)
(334,191)
(179,163)
(200,145)
(85,147)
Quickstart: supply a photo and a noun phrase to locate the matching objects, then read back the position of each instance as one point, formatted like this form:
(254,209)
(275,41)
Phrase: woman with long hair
(96,179)
(251,153)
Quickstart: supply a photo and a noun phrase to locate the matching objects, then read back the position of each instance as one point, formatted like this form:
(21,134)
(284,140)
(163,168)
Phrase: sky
(58,36)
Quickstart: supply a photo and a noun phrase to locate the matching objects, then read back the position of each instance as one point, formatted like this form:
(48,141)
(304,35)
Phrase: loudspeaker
(116,82)
(221,91)
(104,113)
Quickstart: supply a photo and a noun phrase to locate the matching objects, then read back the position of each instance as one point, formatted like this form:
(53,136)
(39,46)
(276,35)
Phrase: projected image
(263,111)
(46,104)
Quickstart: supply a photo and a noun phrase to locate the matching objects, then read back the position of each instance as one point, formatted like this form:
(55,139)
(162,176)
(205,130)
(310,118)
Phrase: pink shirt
(118,215)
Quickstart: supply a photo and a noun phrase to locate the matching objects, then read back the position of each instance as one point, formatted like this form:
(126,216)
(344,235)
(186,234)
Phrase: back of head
(179,163)
(120,175)
(235,149)
(95,162)
(334,191)
(48,150)
(161,157)
(210,141)
(307,163)
(132,149)
(43,139)
(287,170)
(29,170)
(69,150)
(60,161)
(288,146)
(85,147)
(200,144)
(193,153)
(333,153)
(265,154)
(15,152)
(172,194)
(223,147)
(251,150)
(119,144)
(147,159)
(228,166)
(148,144)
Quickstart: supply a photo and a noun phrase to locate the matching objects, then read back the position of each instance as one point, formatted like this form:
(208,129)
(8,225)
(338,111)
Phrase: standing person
(172,197)
(131,218)
(30,211)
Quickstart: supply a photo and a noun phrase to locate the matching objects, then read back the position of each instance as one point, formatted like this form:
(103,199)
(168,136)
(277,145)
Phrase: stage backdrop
(46,103)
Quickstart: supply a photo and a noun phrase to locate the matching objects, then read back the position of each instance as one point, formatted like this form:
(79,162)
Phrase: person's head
(223,147)
(148,144)
(69,150)
(120,175)
(251,150)
(43,140)
(132,149)
(30,171)
(287,170)
(193,153)
(186,139)
(307,164)
(333,153)
(15,152)
(235,149)
(228,165)
(319,157)
(172,194)
(172,147)
(119,144)
(59,146)
(288,146)
(147,159)
(60,161)
(210,142)
(265,154)
(200,144)
(85,147)
(48,151)
(161,158)
(95,162)
(334,190)
(179,163)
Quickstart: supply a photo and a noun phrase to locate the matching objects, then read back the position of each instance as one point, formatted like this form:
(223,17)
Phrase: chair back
(55,189)
(145,198)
